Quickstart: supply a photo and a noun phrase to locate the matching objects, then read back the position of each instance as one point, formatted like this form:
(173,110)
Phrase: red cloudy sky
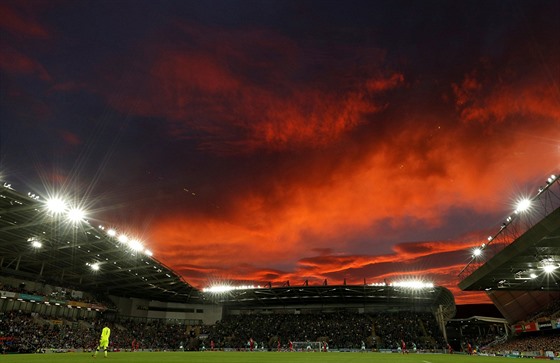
(273,141)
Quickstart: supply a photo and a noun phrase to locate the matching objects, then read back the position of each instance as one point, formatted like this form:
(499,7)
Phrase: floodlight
(76,215)
(135,245)
(112,232)
(95,266)
(523,205)
(549,268)
(216,289)
(123,238)
(148,253)
(56,205)
(533,275)
(477,252)
(413,284)
(36,244)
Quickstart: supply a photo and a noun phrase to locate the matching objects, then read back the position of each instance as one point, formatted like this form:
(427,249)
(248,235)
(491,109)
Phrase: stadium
(63,279)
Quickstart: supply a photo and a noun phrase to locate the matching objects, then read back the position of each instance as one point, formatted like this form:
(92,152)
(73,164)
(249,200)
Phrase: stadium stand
(518,266)
(519,270)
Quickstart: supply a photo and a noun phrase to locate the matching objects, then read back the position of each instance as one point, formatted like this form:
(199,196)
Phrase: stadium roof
(524,254)
(38,245)
(520,265)
(380,297)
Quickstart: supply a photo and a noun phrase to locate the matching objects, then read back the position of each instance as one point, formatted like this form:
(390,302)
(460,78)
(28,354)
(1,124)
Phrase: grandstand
(40,244)
(481,330)
(519,270)
(518,266)
(363,300)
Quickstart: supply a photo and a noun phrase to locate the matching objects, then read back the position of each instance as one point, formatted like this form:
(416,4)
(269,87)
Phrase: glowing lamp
(523,205)
(217,289)
(135,245)
(56,205)
(123,238)
(76,214)
(413,284)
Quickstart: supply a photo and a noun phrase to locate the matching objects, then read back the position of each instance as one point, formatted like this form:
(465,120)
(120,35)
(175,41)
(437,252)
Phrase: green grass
(246,357)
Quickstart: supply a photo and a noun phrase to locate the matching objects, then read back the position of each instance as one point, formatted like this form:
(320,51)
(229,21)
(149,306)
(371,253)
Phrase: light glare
(523,205)
(413,284)
(123,238)
(135,245)
(56,205)
(76,214)
(217,289)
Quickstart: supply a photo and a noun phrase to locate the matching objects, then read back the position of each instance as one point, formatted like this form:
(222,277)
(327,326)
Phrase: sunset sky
(266,141)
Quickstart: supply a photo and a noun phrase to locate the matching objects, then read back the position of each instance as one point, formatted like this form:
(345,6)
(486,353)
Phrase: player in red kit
(403,347)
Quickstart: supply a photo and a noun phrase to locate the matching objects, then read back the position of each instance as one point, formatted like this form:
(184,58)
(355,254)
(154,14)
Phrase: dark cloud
(20,22)
(15,62)
(240,91)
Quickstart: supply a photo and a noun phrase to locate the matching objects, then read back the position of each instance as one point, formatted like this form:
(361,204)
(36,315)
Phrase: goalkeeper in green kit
(103,342)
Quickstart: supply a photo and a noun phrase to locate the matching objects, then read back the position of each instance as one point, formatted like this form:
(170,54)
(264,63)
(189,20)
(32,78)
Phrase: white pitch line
(425,361)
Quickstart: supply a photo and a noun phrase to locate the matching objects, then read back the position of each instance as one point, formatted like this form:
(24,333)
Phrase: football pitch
(246,357)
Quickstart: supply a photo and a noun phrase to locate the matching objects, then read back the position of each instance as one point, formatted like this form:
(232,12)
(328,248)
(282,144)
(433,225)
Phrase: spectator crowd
(25,332)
